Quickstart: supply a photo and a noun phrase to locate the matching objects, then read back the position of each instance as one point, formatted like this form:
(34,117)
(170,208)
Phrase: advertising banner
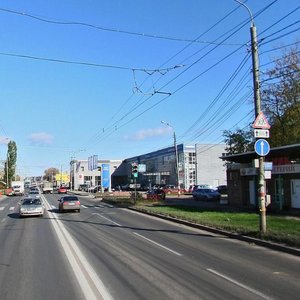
(105,175)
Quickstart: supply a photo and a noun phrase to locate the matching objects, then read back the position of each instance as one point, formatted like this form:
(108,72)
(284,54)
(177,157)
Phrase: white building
(210,168)
(102,176)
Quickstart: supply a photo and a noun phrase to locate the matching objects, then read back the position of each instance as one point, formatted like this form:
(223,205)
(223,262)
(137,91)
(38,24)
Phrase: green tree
(280,102)
(10,165)
(281,99)
(50,173)
(238,141)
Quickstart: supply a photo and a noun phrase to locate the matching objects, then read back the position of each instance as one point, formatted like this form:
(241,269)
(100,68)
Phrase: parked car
(222,189)
(62,190)
(94,189)
(205,194)
(31,207)
(69,203)
(172,189)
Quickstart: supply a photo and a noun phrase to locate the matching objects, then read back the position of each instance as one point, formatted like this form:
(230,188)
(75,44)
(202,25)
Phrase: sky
(95,77)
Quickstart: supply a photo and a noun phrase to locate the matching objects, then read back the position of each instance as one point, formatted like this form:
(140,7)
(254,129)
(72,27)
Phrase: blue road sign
(262,147)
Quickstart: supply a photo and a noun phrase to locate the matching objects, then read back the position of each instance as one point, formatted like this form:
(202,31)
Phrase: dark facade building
(282,177)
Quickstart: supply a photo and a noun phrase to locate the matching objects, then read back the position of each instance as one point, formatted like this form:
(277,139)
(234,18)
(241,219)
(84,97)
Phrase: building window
(82,169)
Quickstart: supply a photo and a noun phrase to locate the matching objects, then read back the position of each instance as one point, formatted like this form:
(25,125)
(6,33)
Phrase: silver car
(68,203)
(31,207)
(206,194)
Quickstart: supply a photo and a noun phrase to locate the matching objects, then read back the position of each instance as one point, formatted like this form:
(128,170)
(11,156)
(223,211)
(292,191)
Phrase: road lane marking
(89,282)
(239,284)
(83,206)
(107,219)
(157,244)
(12,208)
(1,208)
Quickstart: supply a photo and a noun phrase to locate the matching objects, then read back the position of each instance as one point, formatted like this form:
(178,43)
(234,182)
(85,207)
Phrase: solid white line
(157,244)
(107,219)
(83,206)
(86,276)
(239,284)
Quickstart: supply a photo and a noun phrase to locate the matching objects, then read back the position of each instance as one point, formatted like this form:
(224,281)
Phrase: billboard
(62,177)
(105,170)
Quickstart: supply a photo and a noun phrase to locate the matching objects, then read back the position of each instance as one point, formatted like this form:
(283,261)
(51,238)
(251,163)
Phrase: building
(282,176)
(80,173)
(197,164)
(210,168)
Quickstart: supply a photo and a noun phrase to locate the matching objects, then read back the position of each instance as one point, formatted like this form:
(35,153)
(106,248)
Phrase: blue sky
(124,67)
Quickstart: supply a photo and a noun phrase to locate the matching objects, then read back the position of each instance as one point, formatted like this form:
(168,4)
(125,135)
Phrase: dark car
(222,189)
(206,194)
(69,203)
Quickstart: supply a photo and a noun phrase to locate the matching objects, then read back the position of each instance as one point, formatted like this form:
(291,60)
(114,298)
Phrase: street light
(176,154)
(257,106)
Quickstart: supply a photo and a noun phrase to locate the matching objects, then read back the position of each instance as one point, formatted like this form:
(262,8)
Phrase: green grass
(280,229)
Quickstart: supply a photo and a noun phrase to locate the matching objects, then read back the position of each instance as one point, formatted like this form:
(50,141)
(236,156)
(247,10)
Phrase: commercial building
(102,175)
(282,178)
(197,164)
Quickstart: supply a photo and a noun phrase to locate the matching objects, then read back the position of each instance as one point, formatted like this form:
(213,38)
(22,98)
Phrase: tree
(50,173)
(238,141)
(10,165)
(281,99)
(280,102)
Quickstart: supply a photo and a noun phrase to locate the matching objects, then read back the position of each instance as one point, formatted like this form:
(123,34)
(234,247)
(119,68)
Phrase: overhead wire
(181,87)
(43,19)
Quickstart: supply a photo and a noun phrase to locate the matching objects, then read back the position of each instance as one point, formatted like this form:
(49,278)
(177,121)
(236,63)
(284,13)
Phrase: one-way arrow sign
(262,147)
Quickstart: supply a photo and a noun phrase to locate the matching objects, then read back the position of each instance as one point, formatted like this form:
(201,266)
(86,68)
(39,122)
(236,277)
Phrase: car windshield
(31,202)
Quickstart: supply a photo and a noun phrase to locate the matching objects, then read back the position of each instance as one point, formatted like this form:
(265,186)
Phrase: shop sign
(286,169)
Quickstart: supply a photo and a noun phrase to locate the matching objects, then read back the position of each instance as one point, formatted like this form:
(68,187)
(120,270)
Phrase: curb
(266,244)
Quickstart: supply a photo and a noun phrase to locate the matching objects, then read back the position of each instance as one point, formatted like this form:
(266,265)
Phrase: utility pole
(257,106)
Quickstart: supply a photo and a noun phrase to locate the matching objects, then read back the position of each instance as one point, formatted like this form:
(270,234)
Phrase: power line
(106,29)
(148,71)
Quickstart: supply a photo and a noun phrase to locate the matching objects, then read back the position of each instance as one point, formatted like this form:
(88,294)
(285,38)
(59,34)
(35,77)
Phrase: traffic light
(135,170)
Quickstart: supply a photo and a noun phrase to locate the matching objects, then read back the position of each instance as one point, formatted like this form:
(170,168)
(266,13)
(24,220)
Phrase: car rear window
(71,198)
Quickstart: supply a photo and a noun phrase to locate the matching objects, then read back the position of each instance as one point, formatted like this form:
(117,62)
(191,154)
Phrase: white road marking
(2,208)
(157,244)
(107,219)
(53,207)
(83,206)
(12,208)
(239,284)
(108,205)
(91,285)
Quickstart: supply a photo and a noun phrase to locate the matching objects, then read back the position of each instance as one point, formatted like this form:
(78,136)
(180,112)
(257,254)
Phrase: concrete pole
(257,106)
(256,86)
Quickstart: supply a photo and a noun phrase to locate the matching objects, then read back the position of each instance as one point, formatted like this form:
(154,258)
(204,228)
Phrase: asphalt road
(105,252)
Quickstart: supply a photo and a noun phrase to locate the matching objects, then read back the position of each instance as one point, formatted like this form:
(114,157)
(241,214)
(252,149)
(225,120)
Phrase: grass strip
(280,229)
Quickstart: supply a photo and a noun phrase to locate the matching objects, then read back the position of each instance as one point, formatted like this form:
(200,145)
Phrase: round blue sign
(262,147)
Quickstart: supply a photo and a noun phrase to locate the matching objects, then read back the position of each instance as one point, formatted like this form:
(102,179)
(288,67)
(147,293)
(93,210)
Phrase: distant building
(198,164)
(102,176)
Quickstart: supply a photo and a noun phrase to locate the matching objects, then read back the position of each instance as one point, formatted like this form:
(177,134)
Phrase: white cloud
(41,138)
(149,133)
(4,140)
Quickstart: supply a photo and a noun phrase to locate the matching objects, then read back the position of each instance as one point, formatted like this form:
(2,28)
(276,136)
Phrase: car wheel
(78,210)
